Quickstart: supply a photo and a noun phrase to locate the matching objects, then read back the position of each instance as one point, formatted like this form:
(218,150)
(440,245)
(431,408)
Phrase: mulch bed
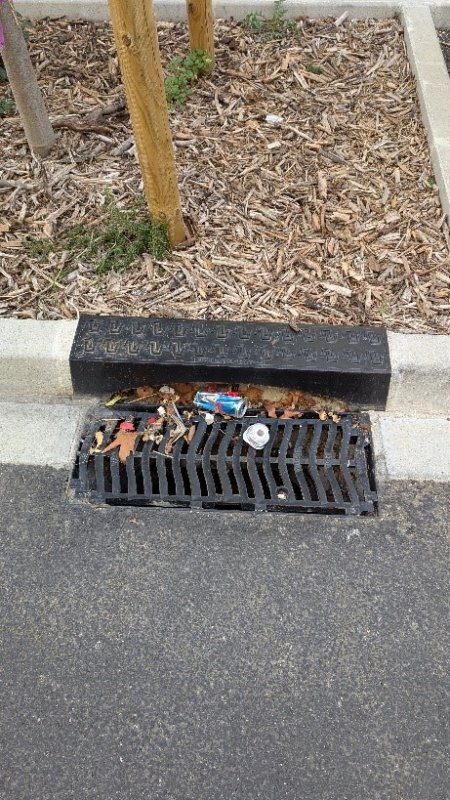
(331,216)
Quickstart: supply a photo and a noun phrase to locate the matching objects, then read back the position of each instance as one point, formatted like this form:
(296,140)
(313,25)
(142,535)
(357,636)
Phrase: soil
(329,216)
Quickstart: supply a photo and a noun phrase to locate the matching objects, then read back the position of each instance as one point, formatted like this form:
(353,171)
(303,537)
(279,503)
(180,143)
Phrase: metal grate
(308,465)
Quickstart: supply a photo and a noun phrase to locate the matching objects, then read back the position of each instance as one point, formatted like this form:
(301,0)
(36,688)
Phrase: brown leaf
(190,434)
(289,414)
(271,410)
(142,392)
(149,266)
(98,439)
(125,441)
(253,395)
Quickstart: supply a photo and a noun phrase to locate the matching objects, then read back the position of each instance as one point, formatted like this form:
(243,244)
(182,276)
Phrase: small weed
(268,29)
(254,21)
(39,248)
(278,21)
(182,73)
(314,69)
(384,307)
(119,240)
(430,182)
(5,106)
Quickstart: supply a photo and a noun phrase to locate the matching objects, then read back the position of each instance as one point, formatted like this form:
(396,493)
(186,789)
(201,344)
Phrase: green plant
(119,240)
(5,106)
(430,182)
(39,248)
(254,21)
(314,69)
(274,28)
(182,72)
(279,14)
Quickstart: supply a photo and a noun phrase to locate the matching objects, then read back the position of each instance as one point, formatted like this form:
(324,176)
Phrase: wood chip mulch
(331,216)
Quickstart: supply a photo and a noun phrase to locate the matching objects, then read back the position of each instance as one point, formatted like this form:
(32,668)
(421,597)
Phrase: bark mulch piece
(331,216)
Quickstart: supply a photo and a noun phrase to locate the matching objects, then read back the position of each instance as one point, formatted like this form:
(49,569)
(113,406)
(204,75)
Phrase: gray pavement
(195,656)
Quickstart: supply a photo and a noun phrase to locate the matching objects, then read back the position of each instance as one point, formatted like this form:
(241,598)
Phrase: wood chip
(330,218)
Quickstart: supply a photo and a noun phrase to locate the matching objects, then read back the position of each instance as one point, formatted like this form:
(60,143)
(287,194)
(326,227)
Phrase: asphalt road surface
(171,655)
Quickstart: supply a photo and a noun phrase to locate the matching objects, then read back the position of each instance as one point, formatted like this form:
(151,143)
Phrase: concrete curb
(34,365)
(34,355)
(175,10)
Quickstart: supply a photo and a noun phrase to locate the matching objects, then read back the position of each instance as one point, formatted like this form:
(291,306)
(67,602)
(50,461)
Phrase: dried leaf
(190,434)
(98,441)
(271,410)
(289,414)
(125,441)
(114,400)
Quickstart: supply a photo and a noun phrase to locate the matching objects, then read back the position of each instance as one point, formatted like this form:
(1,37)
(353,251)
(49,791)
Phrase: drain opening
(307,466)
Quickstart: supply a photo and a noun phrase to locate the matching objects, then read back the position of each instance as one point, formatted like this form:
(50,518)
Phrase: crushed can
(221,403)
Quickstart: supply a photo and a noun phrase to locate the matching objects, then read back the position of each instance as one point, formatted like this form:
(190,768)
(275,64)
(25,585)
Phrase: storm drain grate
(308,465)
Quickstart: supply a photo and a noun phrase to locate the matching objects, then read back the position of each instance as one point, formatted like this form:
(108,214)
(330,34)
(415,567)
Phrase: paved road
(178,656)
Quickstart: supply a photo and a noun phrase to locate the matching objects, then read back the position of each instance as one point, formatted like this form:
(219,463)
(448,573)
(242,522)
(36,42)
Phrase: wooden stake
(137,45)
(201,26)
(24,85)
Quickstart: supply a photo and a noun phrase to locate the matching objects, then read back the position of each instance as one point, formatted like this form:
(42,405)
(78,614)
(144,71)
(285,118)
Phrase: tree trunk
(140,63)
(24,85)
(201,26)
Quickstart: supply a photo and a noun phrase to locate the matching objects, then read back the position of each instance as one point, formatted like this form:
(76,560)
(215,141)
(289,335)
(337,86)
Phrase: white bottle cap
(257,435)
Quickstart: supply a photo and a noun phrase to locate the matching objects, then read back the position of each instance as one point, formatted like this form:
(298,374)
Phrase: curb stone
(34,355)
(34,365)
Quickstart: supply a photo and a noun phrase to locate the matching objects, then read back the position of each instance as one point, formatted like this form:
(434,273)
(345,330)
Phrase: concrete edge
(34,358)
(175,10)
(433,90)
(34,365)
(420,379)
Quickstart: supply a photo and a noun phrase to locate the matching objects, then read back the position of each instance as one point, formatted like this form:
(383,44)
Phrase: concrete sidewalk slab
(39,435)
(34,358)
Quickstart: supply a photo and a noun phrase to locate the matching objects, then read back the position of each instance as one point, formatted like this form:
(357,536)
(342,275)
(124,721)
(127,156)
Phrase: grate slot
(191,463)
(222,460)
(307,465)
(209,462)
(329,466)
(345,463)
(312,463)
(267,465)
(236,460)
(297,460)
(179,469)
(161,467)
(132,470)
